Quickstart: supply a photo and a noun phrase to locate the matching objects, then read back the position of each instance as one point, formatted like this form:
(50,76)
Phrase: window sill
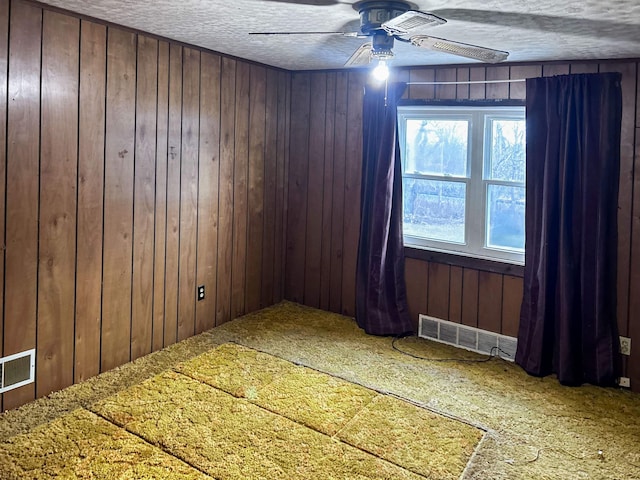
(458,260)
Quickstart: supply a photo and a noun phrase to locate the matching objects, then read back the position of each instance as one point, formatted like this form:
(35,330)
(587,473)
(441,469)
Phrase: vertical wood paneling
(225,198)
(353,172)
(23,147)
(446,91)
(118,157)
(255,202)
(625,193)
(313,249)
(511,302)
(497,90)
(270,189)
(144,197)
(489,301)
(416,274)
(209,170)
(327,196)
(282,155)
(174,159)
(58,177)
(162,125)
(297,186)
(549,70)
(240,191)
(517,90)
(455,294)
(189,194)
(462,90)
(477,91)
(470,297)
(4,63)
(417,75)
(118,198)
(633,330)
(91,124)
(337,205)
(438,295)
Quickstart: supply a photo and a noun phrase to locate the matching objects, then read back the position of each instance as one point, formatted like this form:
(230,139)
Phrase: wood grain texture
(353,172)
(455,294)
(91,124)
(160,203)
(209,170)
(23,148)
(625,187)
(282,194)
(517,90)
(327,194)
(58,182)
(174,160)
(417,277)
(297,186)
(315,174)
(240,191)
(438,291)
(189,194)
(4,64)
(270,189)
(256,187)
(511,301)
(225,222)
(118,198)
(110,155)
(489,301)
(470,297)
(144,198)
(445,91)
(337,197)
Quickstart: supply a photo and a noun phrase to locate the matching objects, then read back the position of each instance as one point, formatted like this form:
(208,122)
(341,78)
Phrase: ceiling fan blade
(344,34)
(410,21)
(475,52)
(362,56)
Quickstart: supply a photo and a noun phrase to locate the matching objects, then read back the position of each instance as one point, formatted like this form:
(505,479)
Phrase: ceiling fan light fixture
(381,72)
(475,52)
(411,20)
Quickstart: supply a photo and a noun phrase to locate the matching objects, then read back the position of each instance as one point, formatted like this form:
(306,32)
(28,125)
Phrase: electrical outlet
(624,382)
(625,345)
(200,292)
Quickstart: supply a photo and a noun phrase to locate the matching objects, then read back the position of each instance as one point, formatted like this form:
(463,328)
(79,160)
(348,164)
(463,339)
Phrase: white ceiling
(529,30)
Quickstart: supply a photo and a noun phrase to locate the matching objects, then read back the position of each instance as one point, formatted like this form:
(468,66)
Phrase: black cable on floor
(492,355)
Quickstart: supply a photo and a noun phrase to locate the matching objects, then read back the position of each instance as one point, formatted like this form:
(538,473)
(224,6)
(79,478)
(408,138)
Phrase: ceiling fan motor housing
(374,13)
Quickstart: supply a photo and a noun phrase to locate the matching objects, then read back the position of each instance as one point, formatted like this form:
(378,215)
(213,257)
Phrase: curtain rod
(466,82)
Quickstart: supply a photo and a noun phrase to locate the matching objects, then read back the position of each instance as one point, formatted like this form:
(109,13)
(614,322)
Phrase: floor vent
(17,370)
(469,338)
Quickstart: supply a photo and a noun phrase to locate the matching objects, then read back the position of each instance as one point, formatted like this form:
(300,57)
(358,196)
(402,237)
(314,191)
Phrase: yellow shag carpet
(236,413)
(534,428)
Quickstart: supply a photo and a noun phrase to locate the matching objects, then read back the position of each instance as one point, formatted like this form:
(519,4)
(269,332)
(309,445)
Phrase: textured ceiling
(529,30)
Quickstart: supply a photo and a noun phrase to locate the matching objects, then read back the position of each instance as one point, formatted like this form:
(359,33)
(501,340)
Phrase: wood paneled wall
(131,170)
(324,191)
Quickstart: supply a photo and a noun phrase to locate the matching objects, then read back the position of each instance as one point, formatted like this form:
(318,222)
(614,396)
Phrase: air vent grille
(469,338)
(17,370)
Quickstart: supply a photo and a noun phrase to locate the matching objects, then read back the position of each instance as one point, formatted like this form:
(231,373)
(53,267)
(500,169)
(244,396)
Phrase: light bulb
(381,72)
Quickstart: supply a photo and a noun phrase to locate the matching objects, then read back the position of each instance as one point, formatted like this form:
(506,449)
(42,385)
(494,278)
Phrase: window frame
(477,181)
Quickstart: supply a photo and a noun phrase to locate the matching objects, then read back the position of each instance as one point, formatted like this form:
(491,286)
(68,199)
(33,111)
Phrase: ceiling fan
(383,22)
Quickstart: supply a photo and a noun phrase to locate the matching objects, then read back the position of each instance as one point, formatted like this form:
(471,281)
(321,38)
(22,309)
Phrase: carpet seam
(332,437)
(159,447)
(377,390)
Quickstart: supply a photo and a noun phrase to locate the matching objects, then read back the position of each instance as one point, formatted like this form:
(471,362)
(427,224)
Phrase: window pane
(507,150)
(437,147)
(434,209)
(505,211)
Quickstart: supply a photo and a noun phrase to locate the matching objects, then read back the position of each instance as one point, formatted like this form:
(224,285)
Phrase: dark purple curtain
(381,300)
(568,316)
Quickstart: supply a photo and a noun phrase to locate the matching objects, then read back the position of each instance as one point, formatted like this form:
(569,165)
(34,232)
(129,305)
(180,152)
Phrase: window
(463,171)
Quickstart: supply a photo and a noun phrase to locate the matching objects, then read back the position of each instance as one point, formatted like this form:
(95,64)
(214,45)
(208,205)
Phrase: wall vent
(17,370)
(469,338)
